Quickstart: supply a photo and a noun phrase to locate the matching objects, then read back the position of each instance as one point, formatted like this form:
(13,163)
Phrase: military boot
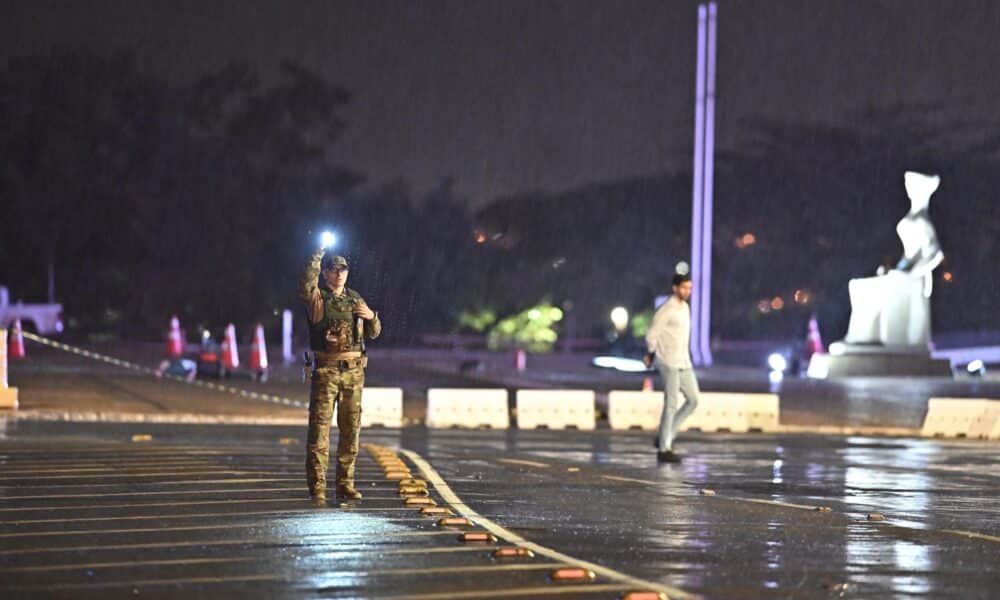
(318,498)
(346,491)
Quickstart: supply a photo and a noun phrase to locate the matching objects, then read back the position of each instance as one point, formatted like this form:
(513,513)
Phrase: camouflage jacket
(332,326)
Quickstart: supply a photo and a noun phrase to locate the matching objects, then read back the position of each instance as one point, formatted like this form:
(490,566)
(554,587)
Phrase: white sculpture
(894,309)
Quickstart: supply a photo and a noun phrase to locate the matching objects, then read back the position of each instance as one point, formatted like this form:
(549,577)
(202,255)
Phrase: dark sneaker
(347,492)
(668,456)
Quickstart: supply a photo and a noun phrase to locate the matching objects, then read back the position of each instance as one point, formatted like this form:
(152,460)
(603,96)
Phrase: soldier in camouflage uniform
(338,320)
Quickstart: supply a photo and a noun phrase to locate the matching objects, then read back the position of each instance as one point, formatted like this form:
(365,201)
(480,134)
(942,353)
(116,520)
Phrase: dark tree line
(139,199)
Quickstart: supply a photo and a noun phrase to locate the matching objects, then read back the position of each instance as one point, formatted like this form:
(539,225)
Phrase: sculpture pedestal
(877,361)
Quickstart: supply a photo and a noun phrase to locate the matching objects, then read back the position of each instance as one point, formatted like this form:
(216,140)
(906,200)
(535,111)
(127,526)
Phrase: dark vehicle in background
(210,358)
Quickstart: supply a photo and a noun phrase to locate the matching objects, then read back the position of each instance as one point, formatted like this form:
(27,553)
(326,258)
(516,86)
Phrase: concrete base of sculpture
(877,361)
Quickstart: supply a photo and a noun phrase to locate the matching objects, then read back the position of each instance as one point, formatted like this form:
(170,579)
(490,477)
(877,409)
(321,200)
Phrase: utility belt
(342,361)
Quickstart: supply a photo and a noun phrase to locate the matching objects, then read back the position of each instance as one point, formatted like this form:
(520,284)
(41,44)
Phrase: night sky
(509,96)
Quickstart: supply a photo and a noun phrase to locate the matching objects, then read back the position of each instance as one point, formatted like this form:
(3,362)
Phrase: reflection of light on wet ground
(336,522)
(773,556)
(904,496)
(870,486)
(916,559)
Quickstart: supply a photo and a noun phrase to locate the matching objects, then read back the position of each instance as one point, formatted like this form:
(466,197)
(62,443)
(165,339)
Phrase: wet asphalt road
(220,511)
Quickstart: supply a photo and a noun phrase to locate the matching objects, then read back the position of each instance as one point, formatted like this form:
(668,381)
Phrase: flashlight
(327,239)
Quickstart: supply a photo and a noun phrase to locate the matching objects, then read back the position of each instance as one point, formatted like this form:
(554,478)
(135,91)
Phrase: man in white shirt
(668,341)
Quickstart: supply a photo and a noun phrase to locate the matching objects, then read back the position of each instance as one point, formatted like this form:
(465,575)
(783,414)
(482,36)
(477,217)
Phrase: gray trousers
(676,382)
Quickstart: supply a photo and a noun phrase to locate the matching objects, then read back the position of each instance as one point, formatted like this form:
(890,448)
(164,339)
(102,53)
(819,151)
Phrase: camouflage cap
(332,260)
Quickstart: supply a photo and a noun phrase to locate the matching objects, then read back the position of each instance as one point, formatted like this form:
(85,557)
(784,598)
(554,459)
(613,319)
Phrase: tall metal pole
(705,293)
(697,183)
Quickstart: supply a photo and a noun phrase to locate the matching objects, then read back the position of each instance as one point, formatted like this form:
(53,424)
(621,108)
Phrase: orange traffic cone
(175,341)
(258,352)
(647,384)
(230,355)
(15,347)
(814,343)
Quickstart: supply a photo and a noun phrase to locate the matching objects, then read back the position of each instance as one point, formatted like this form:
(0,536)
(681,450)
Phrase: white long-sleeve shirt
(669,335)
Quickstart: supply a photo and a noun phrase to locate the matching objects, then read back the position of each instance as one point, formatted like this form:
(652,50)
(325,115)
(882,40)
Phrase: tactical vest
(337,331)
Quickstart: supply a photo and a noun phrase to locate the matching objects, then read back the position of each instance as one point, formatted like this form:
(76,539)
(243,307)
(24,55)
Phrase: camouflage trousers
(331,388)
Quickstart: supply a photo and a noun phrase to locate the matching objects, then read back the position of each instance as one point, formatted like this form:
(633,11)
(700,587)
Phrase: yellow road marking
(629,480)
(451,498)
(110,469)
(110,462)
(203,528)
(152,504)
(127,563)
(253,541)
(771,502)
(161,517)
(153,582)
(212,472)
(971,534)
(159,493)
(530,592)
(530,463)
(160,483)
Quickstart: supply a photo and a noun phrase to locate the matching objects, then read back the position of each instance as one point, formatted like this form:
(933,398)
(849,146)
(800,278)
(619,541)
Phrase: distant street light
(619,318)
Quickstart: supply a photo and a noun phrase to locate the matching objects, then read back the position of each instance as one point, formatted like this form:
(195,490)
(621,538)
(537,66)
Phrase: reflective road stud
(433,511)
(408,492)
(645,596)
(573,574)
(142,437)
(454,522)
(513,553)
(420,502)
(397,475)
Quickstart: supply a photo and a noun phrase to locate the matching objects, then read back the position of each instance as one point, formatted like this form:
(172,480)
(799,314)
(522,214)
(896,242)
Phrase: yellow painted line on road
(451,498)
(524,592)
(109,469)
(337,541)
(118,476)
(159,483)
(528,463)
(159,493)
(341,536)
(529,592)
(970,534)
(200,516)
(155,582)
(630,480)
(775,503)
(128,563)
(85,464)
(152,504)
(160,517)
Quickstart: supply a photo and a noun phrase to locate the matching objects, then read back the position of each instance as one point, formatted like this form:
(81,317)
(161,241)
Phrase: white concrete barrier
(472,408)
(634,410)
(976,418)
(556,409)
(8,395)
(716,411)
(382,406)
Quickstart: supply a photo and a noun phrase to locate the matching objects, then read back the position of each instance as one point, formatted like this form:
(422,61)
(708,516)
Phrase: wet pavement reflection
(220,511)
